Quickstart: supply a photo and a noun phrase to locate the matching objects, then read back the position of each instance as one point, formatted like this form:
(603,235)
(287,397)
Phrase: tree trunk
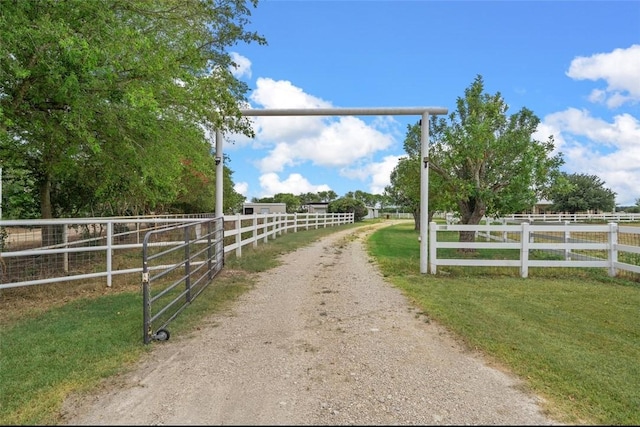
(51,234)
(471,212)
(46,211)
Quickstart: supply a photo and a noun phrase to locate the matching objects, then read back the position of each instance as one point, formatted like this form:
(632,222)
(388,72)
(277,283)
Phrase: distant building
(317,207)
(263,208)
(542,207)
(372,213)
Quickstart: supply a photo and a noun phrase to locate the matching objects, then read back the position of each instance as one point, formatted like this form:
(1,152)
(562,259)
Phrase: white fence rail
(38,252)
(576,217)
(609,246)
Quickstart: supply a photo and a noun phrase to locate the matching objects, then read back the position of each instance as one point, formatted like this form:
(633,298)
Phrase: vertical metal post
(109,252)
(424,193)
(219,173)
(146,291)
(210,251)
(65,242)
(187,262)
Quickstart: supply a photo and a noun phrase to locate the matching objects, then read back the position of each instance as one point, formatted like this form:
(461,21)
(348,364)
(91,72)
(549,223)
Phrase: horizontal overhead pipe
(377,111)
(423,112)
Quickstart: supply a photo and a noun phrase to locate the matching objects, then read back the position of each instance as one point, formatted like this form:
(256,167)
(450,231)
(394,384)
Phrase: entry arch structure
(423,112)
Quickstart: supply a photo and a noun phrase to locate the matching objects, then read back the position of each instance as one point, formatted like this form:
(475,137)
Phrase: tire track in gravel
(321,340)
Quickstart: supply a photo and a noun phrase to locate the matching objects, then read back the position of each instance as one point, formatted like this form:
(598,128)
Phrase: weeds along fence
(610,246)
(40,252)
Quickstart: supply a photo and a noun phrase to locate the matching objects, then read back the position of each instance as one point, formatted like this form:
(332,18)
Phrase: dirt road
(321,340)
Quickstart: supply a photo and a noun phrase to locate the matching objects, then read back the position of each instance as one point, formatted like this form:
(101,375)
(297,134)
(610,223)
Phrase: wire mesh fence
(36,252)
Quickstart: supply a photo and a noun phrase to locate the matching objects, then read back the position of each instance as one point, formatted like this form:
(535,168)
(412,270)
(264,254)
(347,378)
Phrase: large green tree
(404,187)
(199,190)
(488,161)
(327,196)
(369,199)
(579,192)
(107,101)
(349,205)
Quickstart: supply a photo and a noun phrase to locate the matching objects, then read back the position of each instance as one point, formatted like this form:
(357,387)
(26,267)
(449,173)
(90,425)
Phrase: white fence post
(567,238)
(265,228)
(274,226)
(505,236)
(524,250)
(238,237)
(487,236)
(255,230)
(433,255)
(613,248)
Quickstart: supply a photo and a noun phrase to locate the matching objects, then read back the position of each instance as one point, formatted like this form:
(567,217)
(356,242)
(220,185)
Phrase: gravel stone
(321,340)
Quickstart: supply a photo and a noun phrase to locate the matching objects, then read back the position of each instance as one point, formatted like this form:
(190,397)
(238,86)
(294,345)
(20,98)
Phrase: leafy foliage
(488,162)
(349,205)
(404,187)
(580,193)
(372,200)
(104,104)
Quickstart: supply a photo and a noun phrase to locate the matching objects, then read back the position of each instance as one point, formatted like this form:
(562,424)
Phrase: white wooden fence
(85,248)
(576,217)
(609,246)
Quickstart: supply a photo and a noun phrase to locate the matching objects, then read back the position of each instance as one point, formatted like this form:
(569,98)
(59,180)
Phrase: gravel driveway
(321,340)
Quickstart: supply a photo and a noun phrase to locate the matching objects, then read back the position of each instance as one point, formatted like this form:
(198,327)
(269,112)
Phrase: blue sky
(575,64)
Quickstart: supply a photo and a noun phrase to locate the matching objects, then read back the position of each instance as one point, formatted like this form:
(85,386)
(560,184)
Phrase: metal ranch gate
(179,262)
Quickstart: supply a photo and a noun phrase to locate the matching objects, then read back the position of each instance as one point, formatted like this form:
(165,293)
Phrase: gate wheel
(161,335)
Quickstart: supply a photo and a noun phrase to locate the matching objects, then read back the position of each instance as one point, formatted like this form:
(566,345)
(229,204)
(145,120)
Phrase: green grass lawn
(572,334)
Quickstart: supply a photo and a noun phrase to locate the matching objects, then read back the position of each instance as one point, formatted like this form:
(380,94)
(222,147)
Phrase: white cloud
(295,184)
(320,141)
(378,173)
(623,132)
(272,94)
(338,143)
(243,66)
(278,158)
(619,68)
(590,145)
(242,188)
(283,94)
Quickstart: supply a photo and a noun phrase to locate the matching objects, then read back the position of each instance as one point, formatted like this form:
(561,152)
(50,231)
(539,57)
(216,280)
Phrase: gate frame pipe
(423,112)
